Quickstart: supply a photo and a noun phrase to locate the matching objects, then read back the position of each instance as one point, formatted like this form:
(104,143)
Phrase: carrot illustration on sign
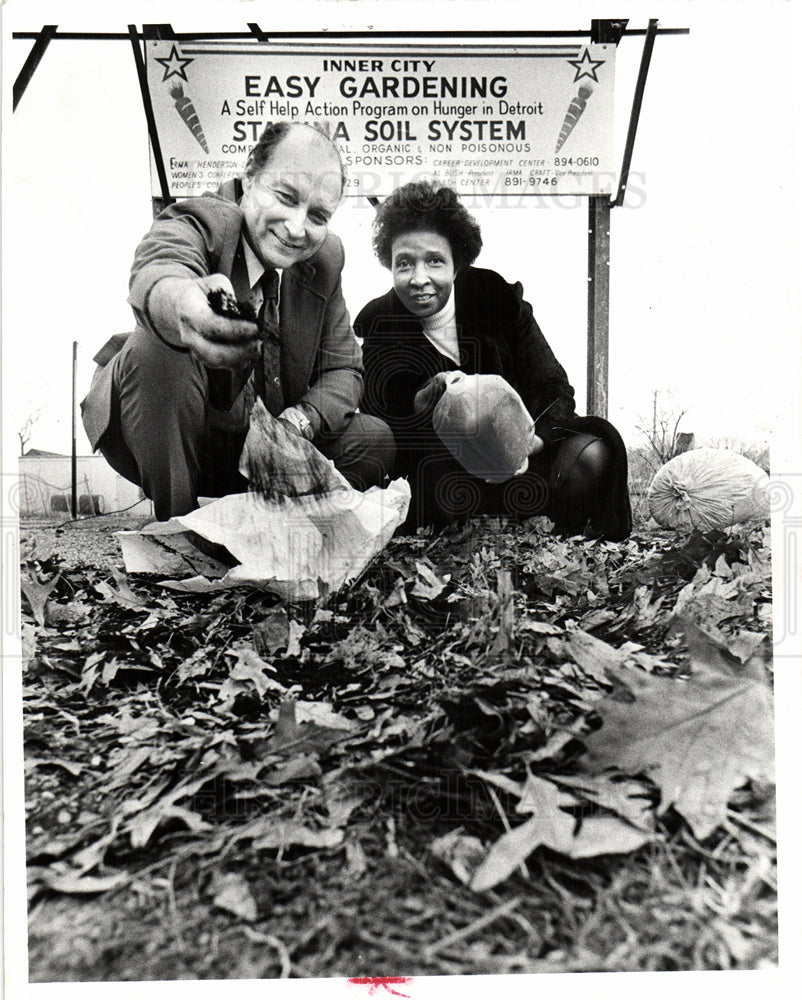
(572,115)
(186,109)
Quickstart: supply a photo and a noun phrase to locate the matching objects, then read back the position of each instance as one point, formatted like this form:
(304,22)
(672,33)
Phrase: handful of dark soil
(279,463)
(224,304)
(276,460)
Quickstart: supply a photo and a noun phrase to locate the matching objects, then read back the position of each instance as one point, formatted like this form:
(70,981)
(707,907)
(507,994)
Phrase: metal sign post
(33,60)
(74,451)
(598,353)
(599,207)
(598,304)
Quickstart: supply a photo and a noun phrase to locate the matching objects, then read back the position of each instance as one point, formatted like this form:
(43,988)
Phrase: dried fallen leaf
(231,893)
(28,644)
(286,731)
(122,594)
(322,714)
(248,673)
(84,884)
(356,861)
(539,797)
(294,638)
(551,827)
(110,668)
(300,768)
(461,852)
(91,671)
(37,593)
(197,665)
(293,737)
(72,613)
(270,832)
(745,644)
(625,797)
(428,584)
(143,825)
(553,746)
(710,599)
(594,656)
(539,628)
(606,835)
(139,727)
(272,633)
(71,766)
(342,798)
(364,648)
(647,611)
(92,855)
(501,781)
(700,738)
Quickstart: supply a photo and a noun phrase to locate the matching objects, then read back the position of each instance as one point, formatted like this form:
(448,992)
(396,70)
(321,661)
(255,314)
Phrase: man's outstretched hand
(179,310)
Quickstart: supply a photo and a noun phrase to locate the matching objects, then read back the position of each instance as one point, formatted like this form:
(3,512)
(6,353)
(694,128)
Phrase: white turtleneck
(440,330)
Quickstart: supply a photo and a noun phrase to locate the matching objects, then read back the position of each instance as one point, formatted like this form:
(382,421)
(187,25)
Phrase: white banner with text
(483,119)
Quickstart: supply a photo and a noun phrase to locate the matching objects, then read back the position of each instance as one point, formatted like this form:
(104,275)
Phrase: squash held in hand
(483,422)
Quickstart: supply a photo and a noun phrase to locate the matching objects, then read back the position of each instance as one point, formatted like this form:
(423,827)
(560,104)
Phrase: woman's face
(423,271)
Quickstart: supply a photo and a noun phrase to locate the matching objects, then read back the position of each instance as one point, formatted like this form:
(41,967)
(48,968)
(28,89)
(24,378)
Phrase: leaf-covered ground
(498,752)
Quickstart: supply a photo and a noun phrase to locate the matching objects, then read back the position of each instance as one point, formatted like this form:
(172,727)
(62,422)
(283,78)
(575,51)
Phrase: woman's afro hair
(424,206)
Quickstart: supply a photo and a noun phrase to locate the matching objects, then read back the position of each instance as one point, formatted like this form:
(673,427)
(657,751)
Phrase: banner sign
(484,120)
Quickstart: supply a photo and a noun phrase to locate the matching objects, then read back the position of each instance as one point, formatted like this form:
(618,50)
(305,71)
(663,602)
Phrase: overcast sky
(704,264)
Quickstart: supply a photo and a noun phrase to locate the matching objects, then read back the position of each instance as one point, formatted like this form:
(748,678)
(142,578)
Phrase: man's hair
(425,205)
(271,136)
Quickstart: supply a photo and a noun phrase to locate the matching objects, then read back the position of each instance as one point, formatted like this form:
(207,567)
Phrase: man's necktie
(269,384)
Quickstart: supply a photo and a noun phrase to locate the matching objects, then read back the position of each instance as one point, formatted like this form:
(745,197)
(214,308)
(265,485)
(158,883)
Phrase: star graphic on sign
(175,65)
(586,66)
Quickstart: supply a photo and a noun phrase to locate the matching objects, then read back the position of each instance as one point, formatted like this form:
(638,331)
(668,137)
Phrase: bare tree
(663,437)
(24,433)
(757,453)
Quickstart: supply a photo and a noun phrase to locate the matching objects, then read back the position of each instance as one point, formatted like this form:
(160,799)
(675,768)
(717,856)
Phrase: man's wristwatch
(295,416)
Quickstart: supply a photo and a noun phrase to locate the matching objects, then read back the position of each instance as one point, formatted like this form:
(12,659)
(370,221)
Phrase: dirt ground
(231,787)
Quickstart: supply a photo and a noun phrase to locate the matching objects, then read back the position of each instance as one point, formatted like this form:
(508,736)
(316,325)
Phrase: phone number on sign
(576,161)
(511,180)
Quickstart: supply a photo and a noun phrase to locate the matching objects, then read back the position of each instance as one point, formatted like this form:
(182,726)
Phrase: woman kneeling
(444,315)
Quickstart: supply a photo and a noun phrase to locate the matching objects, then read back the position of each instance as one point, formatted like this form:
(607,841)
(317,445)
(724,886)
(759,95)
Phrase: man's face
(288,204)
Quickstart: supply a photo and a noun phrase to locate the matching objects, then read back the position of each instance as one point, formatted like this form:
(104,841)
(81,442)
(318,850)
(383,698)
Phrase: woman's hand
(537,444)
(179,311)
(428,397)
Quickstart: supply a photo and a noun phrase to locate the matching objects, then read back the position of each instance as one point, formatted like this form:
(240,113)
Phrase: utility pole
(74,499)
(654,415)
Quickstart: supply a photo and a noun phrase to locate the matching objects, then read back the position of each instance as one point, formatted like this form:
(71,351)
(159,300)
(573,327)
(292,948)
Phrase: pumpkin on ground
(708,488)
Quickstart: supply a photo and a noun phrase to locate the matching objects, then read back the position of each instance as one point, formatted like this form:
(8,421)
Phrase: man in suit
(169,411)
